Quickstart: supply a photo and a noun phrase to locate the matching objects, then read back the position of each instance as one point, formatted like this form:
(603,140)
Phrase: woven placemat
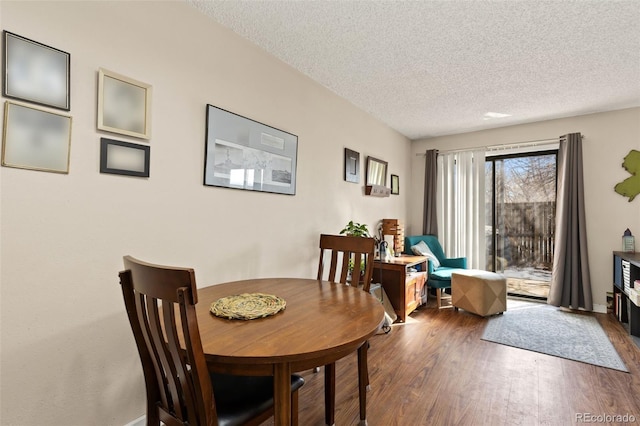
(248,306)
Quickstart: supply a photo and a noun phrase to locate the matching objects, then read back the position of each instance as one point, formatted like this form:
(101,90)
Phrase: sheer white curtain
(461,204)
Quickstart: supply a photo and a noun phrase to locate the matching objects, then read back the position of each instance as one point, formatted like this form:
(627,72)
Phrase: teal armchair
(437,277)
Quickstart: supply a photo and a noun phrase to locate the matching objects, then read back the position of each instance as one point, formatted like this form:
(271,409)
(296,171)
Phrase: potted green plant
(356,229)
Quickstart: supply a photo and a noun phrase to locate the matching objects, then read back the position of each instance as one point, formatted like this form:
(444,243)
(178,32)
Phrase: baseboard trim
(600,309)
(140,421)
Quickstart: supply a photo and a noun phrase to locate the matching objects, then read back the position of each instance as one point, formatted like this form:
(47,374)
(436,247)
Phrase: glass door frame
(493,159)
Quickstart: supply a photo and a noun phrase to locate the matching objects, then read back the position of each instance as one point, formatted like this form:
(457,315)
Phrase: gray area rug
(553,331)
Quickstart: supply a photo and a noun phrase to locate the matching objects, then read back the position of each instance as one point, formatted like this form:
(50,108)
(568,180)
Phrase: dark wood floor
(436,370)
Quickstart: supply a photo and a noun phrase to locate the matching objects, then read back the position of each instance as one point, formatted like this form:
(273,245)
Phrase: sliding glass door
(520,216)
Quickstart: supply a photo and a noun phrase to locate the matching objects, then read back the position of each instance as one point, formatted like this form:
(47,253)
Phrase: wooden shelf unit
(394,227)
(626,266)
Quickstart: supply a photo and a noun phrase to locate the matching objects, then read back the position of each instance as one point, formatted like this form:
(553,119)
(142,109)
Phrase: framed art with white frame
(124,105)
(35,139)
(124,158)
(35,72)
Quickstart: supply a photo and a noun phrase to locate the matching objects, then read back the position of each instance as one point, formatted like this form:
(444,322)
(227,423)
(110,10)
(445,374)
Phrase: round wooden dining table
(321,323)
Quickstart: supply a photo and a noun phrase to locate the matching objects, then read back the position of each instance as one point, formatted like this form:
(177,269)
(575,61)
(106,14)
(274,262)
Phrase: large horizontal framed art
(35,139)
(124,105)
(124,158)
(241,153)
(35,72)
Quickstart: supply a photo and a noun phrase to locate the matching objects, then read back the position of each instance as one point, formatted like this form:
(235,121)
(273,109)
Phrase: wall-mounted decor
(241,153)
(395,184)
(630,187)
(376,172)
(351,166)
(34,72)
(35,139)
(376,183)
(124,158)
(124,105)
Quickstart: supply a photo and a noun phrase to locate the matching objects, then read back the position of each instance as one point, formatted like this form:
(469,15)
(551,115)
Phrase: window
(520,215)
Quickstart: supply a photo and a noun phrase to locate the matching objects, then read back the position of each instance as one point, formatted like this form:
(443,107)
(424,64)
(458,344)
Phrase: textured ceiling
(429,68)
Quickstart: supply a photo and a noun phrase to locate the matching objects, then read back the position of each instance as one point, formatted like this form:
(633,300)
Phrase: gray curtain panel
(430,222)
(570,281)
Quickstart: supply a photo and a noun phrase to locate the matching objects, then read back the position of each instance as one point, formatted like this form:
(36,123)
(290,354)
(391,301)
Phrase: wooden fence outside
(529,230)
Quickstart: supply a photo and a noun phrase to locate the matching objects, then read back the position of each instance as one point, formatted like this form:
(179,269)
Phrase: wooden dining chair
(160,303)
(349,257)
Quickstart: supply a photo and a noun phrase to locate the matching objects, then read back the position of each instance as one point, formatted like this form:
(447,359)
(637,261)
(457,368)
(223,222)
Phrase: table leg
(282,394)
(329,393)
(363,381)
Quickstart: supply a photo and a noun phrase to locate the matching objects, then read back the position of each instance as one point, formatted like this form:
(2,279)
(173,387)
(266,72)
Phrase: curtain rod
(501,146)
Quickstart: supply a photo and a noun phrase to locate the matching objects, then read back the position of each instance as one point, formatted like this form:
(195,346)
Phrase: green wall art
(630,187)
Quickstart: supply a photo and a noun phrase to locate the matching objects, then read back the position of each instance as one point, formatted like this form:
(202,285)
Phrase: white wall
(67,354)
(608,137)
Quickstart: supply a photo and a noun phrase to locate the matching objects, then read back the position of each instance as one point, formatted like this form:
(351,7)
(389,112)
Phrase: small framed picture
(395,185)
(35,139)
(124,158)
(124,105)
(351,166)
(34,72)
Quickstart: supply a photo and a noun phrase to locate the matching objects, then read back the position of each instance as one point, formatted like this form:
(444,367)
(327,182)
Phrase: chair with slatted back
(160,303)
(355,254)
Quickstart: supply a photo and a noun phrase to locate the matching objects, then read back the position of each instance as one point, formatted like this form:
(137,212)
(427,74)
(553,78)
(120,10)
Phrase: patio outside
(528,282)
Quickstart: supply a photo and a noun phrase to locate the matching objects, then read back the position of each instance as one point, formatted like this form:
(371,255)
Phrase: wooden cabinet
(413,293)
(404,287)
(626,270)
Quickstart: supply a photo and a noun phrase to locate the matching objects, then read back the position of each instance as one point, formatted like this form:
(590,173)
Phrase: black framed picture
(395,185)
(351,166)
(241,153)
(124,158)
(35,72)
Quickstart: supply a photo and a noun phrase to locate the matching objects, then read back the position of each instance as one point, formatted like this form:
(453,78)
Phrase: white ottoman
(481,292)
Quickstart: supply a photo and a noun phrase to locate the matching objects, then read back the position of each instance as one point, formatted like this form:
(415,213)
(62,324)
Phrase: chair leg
(363,381)
(442,296)
(329,393)
(153,418)
(153,413)
(294,408)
